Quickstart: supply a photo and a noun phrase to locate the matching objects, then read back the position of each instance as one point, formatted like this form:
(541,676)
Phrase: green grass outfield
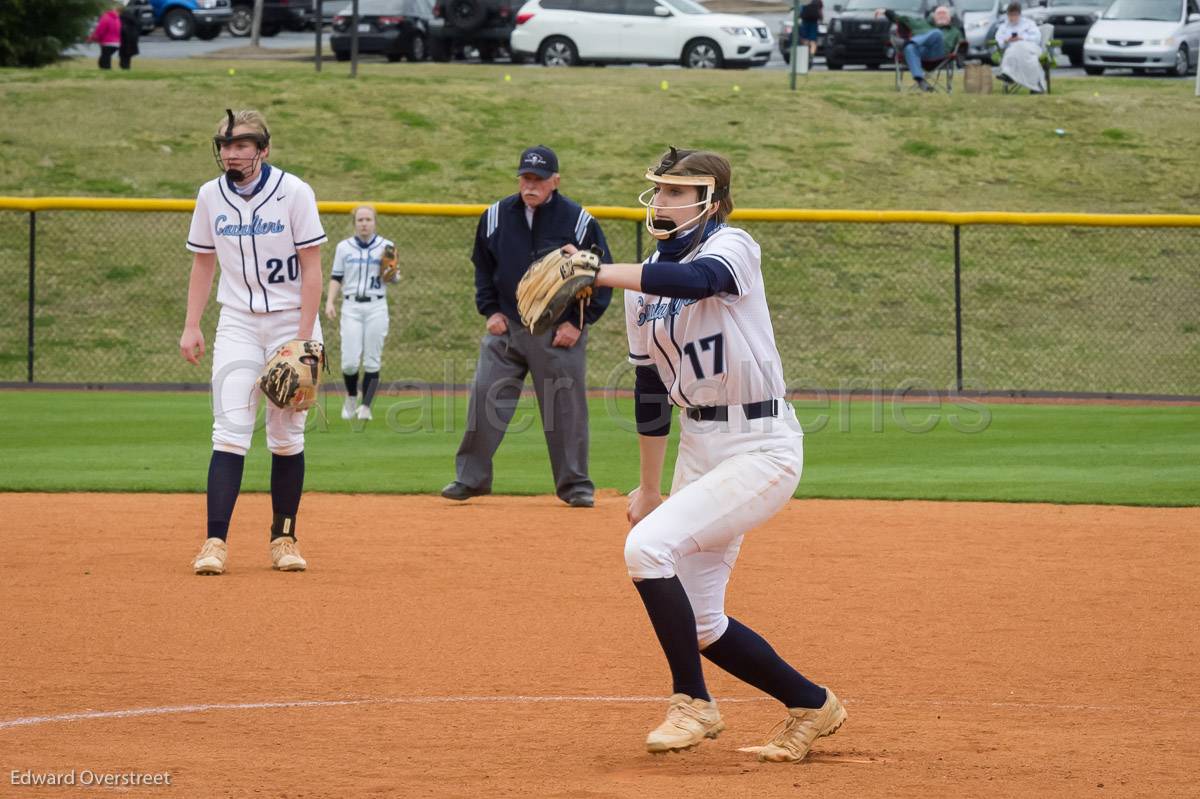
(113,441)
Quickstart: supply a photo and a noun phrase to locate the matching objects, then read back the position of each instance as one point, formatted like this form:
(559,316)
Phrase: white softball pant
(244,343)
(729,478)
(364,327)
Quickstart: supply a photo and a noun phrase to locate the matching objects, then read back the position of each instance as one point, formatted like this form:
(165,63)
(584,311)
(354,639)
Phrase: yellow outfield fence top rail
(634,214)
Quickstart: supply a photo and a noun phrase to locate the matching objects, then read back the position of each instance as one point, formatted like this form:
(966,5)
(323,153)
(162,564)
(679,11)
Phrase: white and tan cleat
(794,736)
(348,407)
(211,559)
(689,721)
(363,413)
(285,555)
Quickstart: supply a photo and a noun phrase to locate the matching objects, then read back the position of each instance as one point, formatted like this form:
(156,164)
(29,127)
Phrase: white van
(570,32)
(1145,34)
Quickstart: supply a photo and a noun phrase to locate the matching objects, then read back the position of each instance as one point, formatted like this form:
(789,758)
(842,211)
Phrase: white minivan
(1144,35)
(570,32)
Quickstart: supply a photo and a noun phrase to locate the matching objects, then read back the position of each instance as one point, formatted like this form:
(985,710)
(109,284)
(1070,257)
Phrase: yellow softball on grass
(737,88)
(664,85)
(232,71)
(508,78)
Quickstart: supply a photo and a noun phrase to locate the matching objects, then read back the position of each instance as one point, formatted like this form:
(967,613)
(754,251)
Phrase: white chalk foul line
(171,710)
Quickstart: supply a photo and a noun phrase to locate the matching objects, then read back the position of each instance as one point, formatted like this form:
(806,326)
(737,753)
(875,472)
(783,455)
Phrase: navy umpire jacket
(505,246)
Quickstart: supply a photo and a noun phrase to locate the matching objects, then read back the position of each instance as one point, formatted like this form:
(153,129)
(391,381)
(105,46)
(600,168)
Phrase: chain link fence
(1056,309)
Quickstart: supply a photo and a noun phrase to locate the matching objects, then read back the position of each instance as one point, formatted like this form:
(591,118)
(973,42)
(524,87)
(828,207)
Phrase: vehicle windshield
(1156,10)
(975,5)
(1088,3)
(906,6)
(687,7)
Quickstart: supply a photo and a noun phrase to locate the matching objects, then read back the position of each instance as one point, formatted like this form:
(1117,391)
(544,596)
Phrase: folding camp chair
(1046,59)
(939,72)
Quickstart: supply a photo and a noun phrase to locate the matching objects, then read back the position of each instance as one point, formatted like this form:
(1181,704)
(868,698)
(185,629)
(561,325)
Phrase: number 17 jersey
(256,239)
(716,351)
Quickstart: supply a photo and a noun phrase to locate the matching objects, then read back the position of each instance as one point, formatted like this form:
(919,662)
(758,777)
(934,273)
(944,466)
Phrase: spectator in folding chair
(1020,41)
(926,47)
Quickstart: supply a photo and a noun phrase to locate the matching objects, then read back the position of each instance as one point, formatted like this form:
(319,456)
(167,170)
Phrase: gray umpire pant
(560,382)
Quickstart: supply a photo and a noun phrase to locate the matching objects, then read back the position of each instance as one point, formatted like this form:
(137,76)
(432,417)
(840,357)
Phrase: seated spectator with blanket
(1020,40)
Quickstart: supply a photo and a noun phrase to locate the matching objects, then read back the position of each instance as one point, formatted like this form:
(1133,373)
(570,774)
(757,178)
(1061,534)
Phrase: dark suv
(392,28)
(1072,19)
(485,25)
(292,15)
(857,37)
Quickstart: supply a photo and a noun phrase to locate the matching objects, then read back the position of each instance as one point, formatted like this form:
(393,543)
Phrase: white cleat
(211,559)
(364,413)
(795,734)
(689,721)
(348,407)
(285,555)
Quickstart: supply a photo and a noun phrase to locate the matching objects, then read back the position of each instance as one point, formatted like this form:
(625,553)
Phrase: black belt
(720,413)
(366,299)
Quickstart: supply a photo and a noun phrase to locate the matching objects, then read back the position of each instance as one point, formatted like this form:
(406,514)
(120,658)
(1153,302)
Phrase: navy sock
(351,384)
(370,383)
(224,483)
(675,625)
(744,654)
(287,482)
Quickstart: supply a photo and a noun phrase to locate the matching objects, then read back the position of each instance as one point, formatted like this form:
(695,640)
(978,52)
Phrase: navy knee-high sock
(370,383)
(224,483)
(675,625)
(287,482)
(351,383)
(744,654)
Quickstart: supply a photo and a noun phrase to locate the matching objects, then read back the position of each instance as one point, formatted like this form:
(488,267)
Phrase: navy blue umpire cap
(539,160)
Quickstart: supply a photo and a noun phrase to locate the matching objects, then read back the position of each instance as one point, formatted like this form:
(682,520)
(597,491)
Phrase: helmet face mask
(261,142)
(663,229)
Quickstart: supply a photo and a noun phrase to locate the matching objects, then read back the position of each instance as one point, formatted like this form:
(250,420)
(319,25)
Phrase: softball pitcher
(363,265)
(700,337)
(261,224)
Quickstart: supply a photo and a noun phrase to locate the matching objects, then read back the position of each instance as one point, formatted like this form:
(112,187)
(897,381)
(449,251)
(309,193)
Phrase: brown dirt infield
(496,648)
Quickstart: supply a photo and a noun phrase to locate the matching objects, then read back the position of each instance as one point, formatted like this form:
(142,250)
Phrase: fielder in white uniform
(700,336)
(261,224)
(364,309)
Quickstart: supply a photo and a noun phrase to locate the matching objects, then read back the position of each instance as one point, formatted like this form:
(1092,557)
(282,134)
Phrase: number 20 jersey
(256,239)
(716,351)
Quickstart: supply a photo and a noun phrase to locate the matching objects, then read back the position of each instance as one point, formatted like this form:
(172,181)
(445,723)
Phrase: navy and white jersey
(256,238)
(356,265)
(715,351)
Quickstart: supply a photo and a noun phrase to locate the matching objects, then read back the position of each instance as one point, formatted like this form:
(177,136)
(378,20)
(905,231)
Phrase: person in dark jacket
(131,29)
(512,234)
(810,26)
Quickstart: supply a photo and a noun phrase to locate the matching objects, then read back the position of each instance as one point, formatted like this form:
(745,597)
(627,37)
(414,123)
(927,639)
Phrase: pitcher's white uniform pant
(364,327)
(730,477)
(244,343)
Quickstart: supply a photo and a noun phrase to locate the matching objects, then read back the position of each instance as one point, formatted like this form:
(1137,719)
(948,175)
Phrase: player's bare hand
(641,504)
(330,310)
(497,324)
(191,345)
(566,335)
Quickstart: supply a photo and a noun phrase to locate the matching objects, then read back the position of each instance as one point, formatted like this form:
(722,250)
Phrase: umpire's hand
(497,324)
(566,335)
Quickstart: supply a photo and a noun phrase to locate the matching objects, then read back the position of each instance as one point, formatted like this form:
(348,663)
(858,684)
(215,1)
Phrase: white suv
(570,32)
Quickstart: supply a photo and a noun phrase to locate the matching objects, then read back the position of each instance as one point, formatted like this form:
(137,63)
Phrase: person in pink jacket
(108,35)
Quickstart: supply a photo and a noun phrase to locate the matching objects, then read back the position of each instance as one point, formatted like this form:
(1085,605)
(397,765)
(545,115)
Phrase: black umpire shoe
(580,500)
(458,491)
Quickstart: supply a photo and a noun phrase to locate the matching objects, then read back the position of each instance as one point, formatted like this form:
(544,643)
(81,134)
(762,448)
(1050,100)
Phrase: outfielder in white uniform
(700,336)
(261,224)
(356,276)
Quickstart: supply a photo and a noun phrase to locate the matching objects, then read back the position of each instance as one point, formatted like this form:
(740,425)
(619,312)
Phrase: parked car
(183,19)
(979,21)
(1144,35)
(785,39)
(292,15)
(570,32)
(1072,19)
(857,37)
(392,28)
(484,25)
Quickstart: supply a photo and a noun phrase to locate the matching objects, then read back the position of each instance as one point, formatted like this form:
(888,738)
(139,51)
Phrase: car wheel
(208,32)
(834,65)
(466,15)
(558,51)
(1183,62)
(874,66)
(703,54)
(439,50)
(241,21)
(1094,70)
(416,48)
(179,24)
(341,55)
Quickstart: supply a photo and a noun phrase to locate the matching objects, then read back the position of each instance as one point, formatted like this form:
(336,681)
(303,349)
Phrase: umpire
(513,233)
